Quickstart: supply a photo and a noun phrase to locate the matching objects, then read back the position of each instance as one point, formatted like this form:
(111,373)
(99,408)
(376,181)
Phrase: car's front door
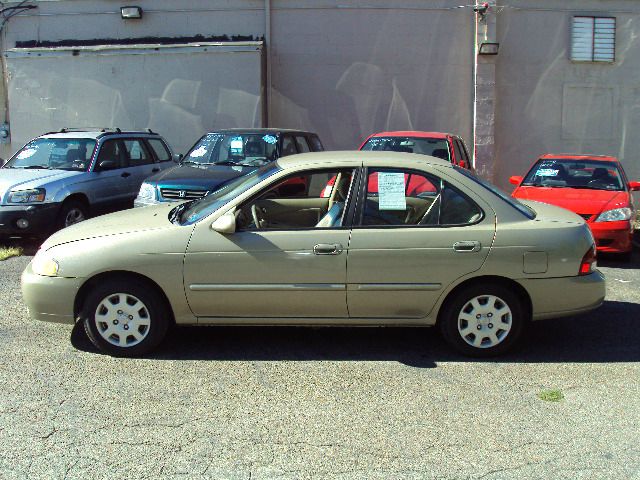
(414,235)
(287,257)
(109,176)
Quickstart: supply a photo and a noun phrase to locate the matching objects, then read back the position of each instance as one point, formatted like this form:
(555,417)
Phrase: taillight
(588,261)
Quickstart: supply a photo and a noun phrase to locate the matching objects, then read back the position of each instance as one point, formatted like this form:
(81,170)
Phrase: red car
(442,145)
(593,186)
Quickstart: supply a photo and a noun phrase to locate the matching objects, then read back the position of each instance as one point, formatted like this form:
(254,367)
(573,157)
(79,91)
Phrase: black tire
(452,325)
(123,292)
(71,209)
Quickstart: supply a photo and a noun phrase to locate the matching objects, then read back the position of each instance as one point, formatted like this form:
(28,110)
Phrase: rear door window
(137,153)
(316,144)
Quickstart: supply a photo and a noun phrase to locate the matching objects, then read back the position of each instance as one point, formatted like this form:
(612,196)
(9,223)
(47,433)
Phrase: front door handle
(125,174)
(155,170)
(467,246)
(327,249)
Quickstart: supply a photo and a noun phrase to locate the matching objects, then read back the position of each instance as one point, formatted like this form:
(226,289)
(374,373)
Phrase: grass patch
(553,395)
(8,252)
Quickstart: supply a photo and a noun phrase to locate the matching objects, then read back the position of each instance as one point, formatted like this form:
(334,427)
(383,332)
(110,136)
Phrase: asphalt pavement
(325,403)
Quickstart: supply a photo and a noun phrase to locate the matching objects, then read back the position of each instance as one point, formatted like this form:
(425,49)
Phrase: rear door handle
(467,246)
(157,169)
(327,249)
(125,174)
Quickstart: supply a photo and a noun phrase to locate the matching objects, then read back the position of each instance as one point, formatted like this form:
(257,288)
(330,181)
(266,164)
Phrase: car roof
(570,156)
(96,133)
(275,131)
(413,133)
(356,158)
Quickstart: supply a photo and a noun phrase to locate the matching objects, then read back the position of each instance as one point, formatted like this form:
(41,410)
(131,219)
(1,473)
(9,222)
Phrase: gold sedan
(334,238)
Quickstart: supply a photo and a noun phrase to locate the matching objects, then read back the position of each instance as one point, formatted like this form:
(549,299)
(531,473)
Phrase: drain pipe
(267,40)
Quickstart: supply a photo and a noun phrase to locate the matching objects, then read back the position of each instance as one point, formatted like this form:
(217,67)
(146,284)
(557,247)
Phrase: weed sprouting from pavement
(553,395)
(8,252)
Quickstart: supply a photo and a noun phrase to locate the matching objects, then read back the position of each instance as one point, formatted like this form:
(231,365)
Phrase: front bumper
(41,218)
(565,296)
(49,299)
(613,237)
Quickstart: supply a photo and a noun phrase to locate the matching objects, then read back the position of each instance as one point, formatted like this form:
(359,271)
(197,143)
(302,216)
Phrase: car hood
(188,176)
(22,179)
(578,200)
(550,213)
(126,221)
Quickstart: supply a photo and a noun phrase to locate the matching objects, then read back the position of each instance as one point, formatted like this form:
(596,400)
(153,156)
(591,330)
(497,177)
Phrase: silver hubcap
(485,321)
(74,215)
(122,320)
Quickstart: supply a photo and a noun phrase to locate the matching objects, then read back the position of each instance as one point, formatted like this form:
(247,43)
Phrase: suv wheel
(72,211)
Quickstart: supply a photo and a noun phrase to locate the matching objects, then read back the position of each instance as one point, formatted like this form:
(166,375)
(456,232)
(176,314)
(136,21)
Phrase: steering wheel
(256,217)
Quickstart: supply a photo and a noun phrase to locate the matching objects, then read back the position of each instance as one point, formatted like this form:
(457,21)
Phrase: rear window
(522,208)
(435,147)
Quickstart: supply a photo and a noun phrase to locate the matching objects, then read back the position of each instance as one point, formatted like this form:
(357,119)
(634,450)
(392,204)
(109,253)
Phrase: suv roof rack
(90,129)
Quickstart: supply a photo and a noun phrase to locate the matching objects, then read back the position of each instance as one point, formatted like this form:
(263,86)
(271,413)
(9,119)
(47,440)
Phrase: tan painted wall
(548,104)
(344,72)
(349,68)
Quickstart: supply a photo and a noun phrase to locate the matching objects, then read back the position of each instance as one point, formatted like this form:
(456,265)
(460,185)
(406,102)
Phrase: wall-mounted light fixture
(131,12)
(488,48)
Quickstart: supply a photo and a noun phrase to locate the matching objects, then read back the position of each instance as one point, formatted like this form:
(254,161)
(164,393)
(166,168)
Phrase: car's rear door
(141,164)
(414,235)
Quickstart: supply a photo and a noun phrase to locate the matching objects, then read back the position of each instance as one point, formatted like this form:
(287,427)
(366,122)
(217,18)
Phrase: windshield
(436,147)
(55,154)
(252,150)
(567,173)
(522,208)
(191,212)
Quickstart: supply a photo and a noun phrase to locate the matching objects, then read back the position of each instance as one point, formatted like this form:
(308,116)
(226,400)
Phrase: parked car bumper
(613,237)
(561,297)
(49,299)
(40,218)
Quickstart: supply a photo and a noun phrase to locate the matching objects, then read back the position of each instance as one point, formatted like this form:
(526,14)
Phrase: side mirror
(107,165)
(177,157)
(226,224)
(515,180)
(634,186)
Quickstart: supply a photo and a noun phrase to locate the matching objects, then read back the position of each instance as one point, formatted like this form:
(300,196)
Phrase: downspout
(267,40)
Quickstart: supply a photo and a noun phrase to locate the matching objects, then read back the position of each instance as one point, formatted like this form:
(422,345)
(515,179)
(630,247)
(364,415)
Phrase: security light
(131,12)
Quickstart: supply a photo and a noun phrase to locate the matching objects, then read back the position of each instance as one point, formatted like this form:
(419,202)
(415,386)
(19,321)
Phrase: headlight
(147,192)
(615,215)
(27,196)
(44,264)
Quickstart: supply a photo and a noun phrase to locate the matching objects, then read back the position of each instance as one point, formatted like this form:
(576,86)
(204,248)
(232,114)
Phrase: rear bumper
(613,237)
(41,219)
(561,297)
(49,299)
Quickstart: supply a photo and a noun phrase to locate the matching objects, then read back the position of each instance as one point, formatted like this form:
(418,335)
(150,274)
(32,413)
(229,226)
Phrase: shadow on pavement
(612,261)
(609,334)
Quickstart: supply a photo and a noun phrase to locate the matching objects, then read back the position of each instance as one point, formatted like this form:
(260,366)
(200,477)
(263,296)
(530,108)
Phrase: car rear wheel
(483,320)
(72,211)
(125,318)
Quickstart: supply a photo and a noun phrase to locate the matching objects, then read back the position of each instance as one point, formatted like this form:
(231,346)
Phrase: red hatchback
(595,187)
(437,144)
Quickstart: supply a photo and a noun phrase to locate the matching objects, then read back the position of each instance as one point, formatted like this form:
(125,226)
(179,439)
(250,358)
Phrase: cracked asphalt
(333,403)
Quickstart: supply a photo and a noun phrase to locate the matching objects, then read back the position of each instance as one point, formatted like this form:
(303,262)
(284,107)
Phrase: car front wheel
(483,320)
(125,318)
